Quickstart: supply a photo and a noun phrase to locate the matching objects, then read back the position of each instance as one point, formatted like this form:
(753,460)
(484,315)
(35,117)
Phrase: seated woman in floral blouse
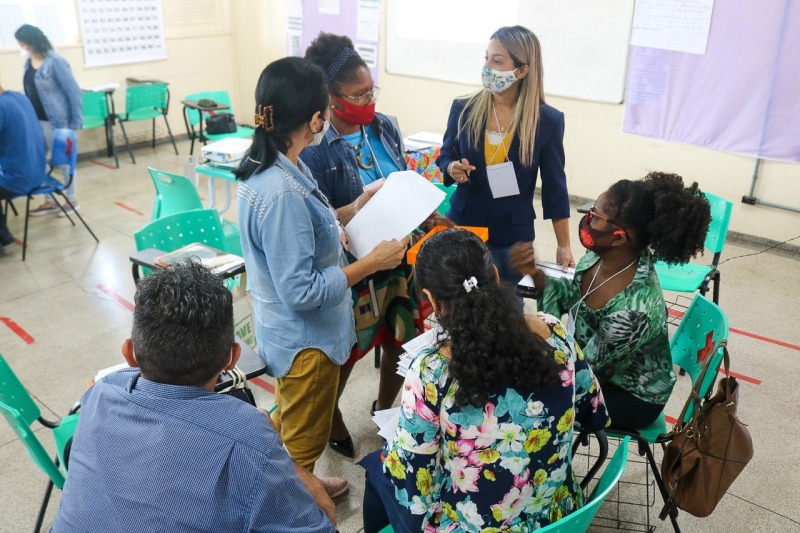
(487,417)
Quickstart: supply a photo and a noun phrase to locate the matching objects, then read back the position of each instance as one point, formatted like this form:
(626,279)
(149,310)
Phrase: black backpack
(221,123)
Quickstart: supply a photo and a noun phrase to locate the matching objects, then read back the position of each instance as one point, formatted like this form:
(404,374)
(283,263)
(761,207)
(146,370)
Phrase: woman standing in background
(56,97)
(496,143)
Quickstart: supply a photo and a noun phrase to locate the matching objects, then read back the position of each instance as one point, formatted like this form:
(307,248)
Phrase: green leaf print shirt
(626,341)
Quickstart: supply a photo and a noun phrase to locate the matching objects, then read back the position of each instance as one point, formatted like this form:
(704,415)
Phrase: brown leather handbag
(706,455)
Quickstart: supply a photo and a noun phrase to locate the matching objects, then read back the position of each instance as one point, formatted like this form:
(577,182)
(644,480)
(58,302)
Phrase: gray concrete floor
(72,295)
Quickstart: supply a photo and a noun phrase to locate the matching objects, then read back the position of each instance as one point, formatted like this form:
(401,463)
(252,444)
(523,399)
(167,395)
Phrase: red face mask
(360,115)
(589,236)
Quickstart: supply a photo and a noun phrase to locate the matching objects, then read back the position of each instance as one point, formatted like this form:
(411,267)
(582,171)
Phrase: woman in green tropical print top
(615,305)
(488,416)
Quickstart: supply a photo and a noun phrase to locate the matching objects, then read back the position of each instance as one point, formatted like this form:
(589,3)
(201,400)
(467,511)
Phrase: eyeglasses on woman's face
(364,98)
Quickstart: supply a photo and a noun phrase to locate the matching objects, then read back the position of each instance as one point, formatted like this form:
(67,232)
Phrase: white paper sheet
(404,201)
(413,348)
(387,421)
(551,270)
(329,7)
(679,25)
(368,20)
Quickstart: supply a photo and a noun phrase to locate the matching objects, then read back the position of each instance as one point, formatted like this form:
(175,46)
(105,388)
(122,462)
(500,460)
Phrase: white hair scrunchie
(470,284)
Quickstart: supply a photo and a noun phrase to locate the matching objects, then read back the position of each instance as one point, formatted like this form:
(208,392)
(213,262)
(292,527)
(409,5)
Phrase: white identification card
(571,323)
(502,179)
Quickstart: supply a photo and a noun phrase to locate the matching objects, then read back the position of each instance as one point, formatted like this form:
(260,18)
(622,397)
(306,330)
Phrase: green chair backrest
(174,231)
(220,97)
(720,218)
(703,327)
(146,96)
(444,207)
(14,394)
(62,435)
(20,411)
(174,194)
(95,109)
(581,519)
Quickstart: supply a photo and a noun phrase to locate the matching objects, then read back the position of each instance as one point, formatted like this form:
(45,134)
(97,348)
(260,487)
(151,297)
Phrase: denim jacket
(294,261)
(59,92)
(334,165)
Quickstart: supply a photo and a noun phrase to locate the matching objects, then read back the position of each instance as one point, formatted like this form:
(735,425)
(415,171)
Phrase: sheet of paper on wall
(329,7)
(678,25)
(387,421)
(404,201)
(369,53)
(294,27)
(368,20)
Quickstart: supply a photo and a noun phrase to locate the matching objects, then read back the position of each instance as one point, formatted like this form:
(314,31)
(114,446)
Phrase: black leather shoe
(6,238)
(372,409)
(344,447)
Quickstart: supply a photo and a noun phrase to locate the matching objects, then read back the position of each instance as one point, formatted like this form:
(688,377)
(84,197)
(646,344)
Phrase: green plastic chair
(444,207)
(20,411)
(696,342)
(171,232)
(191,118)
(690,277)
(146,102)
(582,518)
(95,115)
(176,193)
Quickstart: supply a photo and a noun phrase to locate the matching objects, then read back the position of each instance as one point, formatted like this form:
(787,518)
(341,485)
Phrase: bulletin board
(121,31)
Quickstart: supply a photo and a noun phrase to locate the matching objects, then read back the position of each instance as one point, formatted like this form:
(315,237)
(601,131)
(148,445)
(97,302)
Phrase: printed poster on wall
(122,31)
(358,19)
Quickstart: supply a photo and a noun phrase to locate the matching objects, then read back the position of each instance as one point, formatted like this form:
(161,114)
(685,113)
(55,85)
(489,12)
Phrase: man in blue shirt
(22,153)
(157,450)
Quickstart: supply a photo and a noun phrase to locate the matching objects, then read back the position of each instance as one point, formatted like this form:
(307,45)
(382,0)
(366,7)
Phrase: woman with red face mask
(615,306)
(361,148)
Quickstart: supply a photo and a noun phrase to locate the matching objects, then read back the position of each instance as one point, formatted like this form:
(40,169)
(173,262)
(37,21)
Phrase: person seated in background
(615,305)
(22,153)
(484,440)
(156,449)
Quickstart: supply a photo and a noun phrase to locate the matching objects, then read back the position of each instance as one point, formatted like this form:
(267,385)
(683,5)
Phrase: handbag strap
(695,395)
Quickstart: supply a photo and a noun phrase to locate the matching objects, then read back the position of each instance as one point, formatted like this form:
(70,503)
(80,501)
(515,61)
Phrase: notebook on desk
(215,260)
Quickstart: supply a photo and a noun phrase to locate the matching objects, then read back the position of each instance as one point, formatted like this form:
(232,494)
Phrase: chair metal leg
(154,132)
(673,511)
(43,509)
(378,356)
(169,130)
(85,225)
(716,287)
(25,233)
(127,143)
(191,148)
(66,214)
(10,204)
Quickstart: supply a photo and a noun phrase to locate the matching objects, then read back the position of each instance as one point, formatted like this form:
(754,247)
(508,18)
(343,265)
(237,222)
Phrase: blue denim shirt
(59,92)
(335,167)
(294,261)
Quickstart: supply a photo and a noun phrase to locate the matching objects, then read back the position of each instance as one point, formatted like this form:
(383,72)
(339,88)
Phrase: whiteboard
(584,42)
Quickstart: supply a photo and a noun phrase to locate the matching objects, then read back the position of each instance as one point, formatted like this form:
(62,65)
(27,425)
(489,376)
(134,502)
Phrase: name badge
(502,179)
(571,323)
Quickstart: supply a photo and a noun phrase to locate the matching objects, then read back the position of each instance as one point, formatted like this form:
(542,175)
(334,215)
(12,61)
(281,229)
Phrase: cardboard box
(411,255)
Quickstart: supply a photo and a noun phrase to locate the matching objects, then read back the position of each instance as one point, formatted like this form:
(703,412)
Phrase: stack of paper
(387,421)
(414,347)
(551,270)
(422,140)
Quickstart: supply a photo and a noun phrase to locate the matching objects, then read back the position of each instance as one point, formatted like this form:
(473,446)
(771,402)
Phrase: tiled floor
(73,296)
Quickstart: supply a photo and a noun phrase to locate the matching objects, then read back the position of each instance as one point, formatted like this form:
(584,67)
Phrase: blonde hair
(524,49)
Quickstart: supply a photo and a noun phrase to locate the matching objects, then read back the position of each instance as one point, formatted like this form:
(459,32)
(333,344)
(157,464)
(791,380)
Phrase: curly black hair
(492,347)
(325,48)
(663,215)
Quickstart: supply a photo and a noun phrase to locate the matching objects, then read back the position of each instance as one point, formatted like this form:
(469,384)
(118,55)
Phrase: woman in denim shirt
(294,250)
(56,97)
(360,149)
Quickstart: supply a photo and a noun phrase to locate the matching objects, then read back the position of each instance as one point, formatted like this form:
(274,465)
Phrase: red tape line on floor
(116,297)
(267,386)
(669,420)
(106,165)
(129,208)
(19,243)
(13,326)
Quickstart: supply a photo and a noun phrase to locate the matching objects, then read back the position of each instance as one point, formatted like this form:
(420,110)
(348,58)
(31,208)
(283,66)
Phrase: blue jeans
(500,255)
(381,508)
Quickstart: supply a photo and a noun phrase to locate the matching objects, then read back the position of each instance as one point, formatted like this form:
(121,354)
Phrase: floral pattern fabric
(627,340)
(423,162)
(503,466)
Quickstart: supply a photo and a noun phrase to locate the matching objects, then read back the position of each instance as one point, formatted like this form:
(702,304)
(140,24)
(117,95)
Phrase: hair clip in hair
(470,284)
(264,118)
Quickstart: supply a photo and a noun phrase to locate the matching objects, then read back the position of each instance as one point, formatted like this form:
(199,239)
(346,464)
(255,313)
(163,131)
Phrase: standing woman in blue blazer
(56,97)
(497,141)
